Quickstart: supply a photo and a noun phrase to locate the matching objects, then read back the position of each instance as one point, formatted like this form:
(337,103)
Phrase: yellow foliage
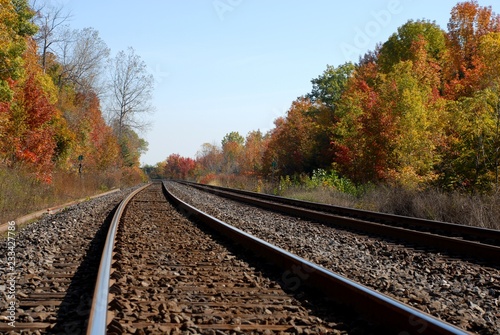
(489,51)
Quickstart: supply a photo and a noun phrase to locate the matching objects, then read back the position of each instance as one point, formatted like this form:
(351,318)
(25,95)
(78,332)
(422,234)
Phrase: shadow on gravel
(74,311)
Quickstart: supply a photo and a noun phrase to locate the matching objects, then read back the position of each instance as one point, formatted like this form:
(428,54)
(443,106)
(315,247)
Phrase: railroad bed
(460,292)
(173,275)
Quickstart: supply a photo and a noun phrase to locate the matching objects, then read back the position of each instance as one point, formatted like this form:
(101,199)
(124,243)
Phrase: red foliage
(34,143)
(101,149)
(362,153)
(178,167)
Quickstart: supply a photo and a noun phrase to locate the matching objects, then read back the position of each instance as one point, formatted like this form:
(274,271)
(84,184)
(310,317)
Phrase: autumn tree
(29,130)
(29,121)
(291,144)
(363,137)
(251,162)
(391,124)
(94,139)
(471,160)
(178,167)
(469,22)
(232,149)
(209,158)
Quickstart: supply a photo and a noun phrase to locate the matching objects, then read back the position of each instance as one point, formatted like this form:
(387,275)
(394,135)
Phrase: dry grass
(473,210)
(21,194)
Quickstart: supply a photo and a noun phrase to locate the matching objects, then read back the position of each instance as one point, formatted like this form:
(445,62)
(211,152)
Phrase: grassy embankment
(468,209)
(21,194)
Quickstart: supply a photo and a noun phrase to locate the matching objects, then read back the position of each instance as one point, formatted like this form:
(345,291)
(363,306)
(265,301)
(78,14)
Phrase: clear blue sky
(236,65)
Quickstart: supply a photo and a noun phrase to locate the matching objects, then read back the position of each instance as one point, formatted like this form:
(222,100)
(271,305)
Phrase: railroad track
(470,242)
(170,275)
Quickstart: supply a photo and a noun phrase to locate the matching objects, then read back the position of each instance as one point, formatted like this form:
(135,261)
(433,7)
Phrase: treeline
(55,84)
(421,109)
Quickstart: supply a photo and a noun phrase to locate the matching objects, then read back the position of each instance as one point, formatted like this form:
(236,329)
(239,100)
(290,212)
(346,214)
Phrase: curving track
(171,275)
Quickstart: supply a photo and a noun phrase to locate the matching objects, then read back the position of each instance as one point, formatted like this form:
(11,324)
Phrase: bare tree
(131,88)
(51,25)
(82,56)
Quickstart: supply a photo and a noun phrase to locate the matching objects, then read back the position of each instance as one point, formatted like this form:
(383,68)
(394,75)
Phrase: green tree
(15,26)
(418,125)
(399,45)
(489,50)
(328,88)
(132,147)
(472,160)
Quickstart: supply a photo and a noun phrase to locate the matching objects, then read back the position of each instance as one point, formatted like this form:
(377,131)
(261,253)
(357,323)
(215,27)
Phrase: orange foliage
(468,23)
(292,142)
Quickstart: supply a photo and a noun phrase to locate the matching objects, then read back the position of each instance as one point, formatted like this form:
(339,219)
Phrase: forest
(420,111)
(68,111)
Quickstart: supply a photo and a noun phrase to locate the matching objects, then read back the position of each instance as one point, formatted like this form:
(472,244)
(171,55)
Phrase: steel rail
(98,319)
(375,306)
(449,245)
(492,236)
